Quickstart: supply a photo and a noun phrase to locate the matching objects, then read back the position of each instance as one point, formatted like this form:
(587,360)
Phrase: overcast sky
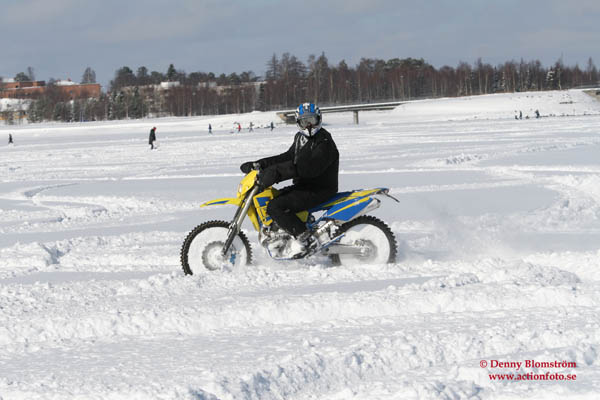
(60,38)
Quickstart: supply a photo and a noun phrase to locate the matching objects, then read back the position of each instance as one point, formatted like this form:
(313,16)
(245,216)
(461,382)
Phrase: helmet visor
(305,121)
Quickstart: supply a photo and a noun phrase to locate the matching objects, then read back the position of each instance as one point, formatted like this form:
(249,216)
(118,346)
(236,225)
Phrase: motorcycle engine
(275,240)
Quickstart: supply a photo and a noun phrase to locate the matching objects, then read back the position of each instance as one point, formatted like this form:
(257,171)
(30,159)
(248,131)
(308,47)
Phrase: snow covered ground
(499,234)
(13,104)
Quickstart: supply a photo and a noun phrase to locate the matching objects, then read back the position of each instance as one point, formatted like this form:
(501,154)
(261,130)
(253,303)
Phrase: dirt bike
(343,231)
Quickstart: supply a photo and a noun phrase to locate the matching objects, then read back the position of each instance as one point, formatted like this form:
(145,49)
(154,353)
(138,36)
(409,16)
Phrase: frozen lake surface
(498,228)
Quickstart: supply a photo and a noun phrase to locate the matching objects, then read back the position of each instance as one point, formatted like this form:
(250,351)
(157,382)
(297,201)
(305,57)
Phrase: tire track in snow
(171,304)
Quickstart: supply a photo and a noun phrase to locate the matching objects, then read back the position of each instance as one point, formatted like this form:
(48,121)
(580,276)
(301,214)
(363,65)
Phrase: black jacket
(313,162)
(152,137)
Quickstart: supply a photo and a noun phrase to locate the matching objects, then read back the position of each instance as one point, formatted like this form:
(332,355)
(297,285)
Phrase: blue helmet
(308,117)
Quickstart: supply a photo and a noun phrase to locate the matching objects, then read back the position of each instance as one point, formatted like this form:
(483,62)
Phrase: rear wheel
(203,245)
(375,239)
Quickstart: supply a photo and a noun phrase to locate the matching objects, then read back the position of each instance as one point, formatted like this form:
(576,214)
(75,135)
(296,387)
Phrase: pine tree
(171,73)
(76,111)
(89,76)
(135,108)
(142,76)
(22,77)
(32,112)
(123,77)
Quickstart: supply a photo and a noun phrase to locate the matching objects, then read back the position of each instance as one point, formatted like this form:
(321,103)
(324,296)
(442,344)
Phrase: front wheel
(372,236)
(202,248)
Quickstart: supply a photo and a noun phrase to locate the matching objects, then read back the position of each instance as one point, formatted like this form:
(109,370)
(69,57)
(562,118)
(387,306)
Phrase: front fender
(226,200)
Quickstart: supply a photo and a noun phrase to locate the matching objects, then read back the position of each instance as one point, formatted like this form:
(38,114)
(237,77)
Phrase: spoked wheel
(202,249)
(372,236)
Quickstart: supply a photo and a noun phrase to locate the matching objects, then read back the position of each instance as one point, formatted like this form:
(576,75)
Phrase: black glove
(247,166)
(268,176)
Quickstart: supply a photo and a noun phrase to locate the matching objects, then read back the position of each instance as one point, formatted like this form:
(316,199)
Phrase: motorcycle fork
(236,223)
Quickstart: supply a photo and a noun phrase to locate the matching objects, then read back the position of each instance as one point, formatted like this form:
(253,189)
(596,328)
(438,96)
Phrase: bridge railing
(288,115)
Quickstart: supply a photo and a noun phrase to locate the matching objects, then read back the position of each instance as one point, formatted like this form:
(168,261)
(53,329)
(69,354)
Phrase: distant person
(209,129)
(272,126)
(516,116)
(250,127)
(537,113)
(10,139)
(520,114)
(239,127)
(152,138)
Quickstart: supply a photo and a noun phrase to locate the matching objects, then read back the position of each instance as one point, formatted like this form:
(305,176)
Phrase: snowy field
(498,228)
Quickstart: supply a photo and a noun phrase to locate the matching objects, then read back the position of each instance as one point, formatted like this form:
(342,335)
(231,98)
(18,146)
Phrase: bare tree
(30,74)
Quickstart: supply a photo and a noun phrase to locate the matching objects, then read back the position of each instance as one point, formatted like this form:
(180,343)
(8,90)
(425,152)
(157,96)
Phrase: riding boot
(303,244)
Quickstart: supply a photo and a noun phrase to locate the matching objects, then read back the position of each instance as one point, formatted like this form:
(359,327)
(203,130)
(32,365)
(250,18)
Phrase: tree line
(288,81)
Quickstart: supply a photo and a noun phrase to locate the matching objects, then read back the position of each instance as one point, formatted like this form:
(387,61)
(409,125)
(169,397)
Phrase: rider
(312,162)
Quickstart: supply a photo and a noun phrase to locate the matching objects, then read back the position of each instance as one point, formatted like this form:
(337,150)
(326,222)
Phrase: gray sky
(60,38)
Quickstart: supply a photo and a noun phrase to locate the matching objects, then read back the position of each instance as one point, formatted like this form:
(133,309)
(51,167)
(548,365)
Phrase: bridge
(289,118)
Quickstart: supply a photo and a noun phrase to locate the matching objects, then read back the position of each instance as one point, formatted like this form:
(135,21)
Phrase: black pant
(291,200)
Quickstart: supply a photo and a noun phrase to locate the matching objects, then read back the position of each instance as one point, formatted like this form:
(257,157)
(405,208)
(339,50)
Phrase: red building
(27,90)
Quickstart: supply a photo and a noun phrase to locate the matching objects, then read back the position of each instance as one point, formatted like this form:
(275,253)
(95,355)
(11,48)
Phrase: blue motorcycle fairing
(345,205)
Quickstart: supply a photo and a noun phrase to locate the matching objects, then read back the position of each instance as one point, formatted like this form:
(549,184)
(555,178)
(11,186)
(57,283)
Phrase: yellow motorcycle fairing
(225,200)
(237,201)
(258,209)
(245,185)
(261,201)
